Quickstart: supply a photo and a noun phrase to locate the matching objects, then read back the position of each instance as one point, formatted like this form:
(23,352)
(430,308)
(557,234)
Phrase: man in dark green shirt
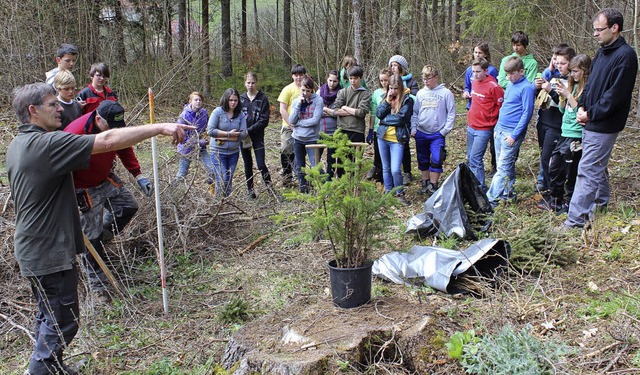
(48,234)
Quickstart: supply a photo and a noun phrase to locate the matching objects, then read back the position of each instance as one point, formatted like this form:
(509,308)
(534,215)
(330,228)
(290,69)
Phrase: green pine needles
(348,210)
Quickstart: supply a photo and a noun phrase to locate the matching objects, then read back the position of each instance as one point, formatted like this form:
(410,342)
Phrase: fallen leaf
(592,286)
(548,325)
(589,333)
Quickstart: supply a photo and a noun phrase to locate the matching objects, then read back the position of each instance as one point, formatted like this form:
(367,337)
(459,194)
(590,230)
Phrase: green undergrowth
(608,304)
(509,351)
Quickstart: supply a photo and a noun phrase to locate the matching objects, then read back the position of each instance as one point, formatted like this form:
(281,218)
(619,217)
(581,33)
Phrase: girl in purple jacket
(195,142)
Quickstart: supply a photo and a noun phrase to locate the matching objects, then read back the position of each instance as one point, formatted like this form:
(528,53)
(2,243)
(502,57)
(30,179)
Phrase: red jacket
(93,98)
(100,164)
(486,99)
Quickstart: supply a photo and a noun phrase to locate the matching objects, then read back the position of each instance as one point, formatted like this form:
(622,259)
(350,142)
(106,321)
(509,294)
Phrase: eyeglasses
(599,29)
(51,105)
(428,78)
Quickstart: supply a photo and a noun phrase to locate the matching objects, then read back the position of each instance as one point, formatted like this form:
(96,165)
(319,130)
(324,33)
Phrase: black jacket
(257,112)
(607,95)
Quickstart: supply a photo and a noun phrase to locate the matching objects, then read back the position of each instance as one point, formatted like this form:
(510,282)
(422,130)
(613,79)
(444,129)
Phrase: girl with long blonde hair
(393,133)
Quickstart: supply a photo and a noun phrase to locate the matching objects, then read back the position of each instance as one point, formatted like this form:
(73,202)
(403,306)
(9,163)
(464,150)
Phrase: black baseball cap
(113,112)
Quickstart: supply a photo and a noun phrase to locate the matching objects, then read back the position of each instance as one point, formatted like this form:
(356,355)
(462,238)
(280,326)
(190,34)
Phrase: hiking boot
(428,188)
(407,178)
(562,208)
(432,188)
(540,188)
(369,175)
(65,370)
(252,194)
(425,187)
(288,180)
(401,198)
(565,229)
(69,369)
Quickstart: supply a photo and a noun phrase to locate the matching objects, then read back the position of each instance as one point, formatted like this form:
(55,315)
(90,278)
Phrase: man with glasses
(603,111)
(48,234)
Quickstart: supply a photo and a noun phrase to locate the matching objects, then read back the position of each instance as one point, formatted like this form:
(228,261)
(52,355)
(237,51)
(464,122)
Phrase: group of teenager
(582,105)
(66,147)
(341,103)
(397,110)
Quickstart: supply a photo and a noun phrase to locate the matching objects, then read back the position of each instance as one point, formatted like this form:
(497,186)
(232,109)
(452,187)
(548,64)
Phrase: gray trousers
(113,206)
(592,184)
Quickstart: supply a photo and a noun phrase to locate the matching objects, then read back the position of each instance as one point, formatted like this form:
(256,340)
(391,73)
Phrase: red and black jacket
(93,97)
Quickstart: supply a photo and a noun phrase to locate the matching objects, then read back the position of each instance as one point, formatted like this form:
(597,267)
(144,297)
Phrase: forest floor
(238,261)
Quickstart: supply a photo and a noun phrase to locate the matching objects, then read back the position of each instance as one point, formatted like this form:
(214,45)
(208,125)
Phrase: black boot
(425,188)
(373,173)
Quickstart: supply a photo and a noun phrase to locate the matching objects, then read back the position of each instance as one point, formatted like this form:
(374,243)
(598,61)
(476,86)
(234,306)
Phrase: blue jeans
(592,184)
(391,157)
(477,141)
(301,152)
(56,296)
(185,162)
(224,166)
(503,181)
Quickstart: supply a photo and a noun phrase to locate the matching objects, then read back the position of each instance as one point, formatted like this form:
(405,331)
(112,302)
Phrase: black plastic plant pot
(350,287)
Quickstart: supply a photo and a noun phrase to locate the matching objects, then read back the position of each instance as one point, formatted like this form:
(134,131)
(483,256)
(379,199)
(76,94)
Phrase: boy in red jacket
(486,100)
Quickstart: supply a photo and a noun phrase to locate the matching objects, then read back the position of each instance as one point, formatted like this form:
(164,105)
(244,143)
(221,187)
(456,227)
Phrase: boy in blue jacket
(510,130)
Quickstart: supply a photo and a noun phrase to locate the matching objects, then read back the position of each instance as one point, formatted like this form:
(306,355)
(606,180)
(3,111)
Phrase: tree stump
(315,337)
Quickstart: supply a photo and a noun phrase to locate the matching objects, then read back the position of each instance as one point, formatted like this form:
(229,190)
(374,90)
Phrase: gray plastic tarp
(438,265)
(444,211)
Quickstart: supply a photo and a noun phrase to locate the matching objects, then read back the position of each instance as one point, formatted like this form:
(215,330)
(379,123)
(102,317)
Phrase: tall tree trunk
(434,12)
(119,33)
(397,30)
(257,24)
(182,27)
(450,25)
(338,51)
(168,41)
(145,25)
(206,46)
(367,34)
(357,40)
(92,33)
(286,37)
(225,22)
(443,17)
(456,20)
(243,27)
(345,28)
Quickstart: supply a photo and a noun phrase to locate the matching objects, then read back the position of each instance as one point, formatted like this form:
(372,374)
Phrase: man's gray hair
(31,94)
